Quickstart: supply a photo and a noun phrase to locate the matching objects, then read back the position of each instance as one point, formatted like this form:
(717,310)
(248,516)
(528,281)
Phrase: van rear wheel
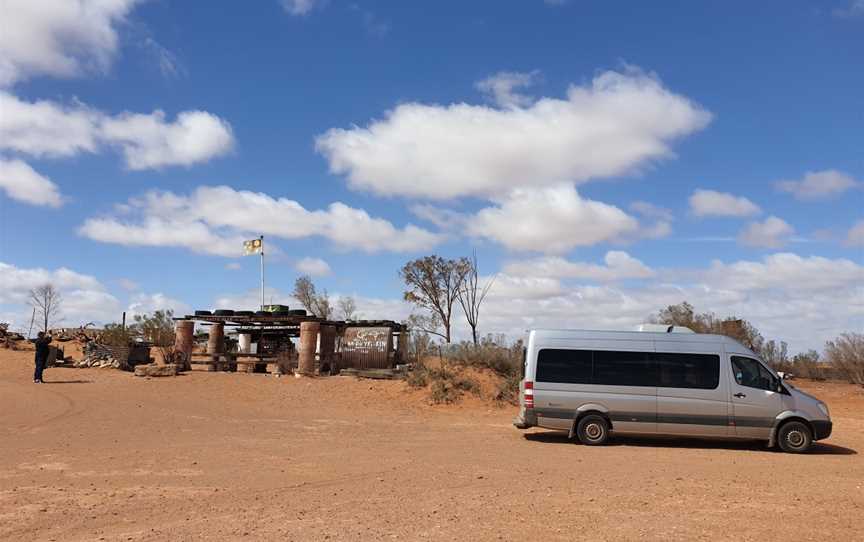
(593,430)
(794,437)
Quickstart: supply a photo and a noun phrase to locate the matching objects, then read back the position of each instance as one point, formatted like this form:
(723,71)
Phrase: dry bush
(117,335)
(418,378)
(446,384)
(807,365)
(846,354)
(494,354)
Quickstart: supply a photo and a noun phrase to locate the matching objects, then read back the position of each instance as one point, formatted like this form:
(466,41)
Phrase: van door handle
(739,395)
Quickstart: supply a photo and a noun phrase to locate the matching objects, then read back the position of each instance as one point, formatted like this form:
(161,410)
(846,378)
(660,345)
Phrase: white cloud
(855,237)
(662,225)
(819,185)
(148,142)
(612,126)
(618,266)
(507,286)
(500,88)
(801,300)
(786,270)
(48,129)
(772,233)
(712,203)
(233,266)
(551,220)
(215,220)
(144,304)
(155,231)
(61,38)
(167,62)
(855,9)
(22,183)
(315,267)
(83,297)
(250,300)
(128,284)
(652,211)
(444,219)
(299,7)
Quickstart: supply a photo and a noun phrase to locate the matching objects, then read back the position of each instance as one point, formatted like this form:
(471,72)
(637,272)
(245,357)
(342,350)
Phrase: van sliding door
(692,399)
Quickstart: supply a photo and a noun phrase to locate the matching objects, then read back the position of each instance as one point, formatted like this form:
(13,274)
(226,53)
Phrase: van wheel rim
(795,439)
(593,431)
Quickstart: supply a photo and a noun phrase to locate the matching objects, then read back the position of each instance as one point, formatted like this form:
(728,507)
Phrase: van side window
(695,371)
(564,366)
(624,368)
(752,374)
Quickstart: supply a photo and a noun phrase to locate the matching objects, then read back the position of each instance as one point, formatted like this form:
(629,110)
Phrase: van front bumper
(525,419)
(821,429)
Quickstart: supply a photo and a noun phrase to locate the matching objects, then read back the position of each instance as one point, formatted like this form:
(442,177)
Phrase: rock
(156,370)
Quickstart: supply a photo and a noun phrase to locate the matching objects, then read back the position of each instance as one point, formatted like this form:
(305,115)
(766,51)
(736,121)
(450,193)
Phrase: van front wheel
(593,430)
(794,437)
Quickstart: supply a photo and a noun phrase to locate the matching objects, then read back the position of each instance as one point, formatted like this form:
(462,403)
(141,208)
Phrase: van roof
(702,338)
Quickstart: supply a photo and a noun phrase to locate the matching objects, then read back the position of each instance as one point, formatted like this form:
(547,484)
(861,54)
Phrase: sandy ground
(96,454)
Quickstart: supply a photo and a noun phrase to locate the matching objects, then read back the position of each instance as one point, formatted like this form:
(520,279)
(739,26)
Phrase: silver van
(593,383)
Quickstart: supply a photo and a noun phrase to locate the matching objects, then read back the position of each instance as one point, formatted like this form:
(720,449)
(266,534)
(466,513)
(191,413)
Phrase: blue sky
(619,156)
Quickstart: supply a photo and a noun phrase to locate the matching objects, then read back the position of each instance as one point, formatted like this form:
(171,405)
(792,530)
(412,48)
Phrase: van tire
(593,430)
(794,437)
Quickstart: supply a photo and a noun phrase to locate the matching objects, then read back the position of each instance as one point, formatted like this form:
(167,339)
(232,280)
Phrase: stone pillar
(328,349)
(244,341)
(308,345)
(183,341)
(216,342)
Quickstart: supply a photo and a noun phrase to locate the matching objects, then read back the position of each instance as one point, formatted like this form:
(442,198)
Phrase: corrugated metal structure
(367,348)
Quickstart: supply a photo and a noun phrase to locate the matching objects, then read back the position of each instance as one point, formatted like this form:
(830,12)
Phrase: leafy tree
(684,315)
(158,330)
(433,283)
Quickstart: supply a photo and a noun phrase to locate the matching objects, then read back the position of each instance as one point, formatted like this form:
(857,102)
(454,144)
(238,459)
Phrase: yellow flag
(253,246)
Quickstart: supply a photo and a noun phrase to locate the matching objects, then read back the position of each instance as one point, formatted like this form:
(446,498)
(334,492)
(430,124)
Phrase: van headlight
(824,408)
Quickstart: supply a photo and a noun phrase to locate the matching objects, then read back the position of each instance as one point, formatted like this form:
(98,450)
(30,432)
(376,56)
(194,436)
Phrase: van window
(564,366)
(695,371)
(624,368)
(752,374)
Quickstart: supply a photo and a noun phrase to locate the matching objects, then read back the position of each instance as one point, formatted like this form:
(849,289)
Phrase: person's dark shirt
(42,347)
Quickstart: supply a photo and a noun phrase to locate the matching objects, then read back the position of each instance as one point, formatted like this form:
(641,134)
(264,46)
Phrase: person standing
(42,343)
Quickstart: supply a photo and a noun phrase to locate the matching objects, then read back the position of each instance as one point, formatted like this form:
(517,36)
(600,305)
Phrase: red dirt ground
(96,454)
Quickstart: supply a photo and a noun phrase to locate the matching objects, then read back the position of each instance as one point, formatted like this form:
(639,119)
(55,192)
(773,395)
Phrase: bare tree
(317,304)
(433,283)
(323,308)
(775,355)
(347,307)
(46,301)
(472,294)
(846,354)
(304,291)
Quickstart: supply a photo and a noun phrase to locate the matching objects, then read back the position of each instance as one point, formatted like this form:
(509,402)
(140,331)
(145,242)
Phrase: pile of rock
(8,338)
(97,355)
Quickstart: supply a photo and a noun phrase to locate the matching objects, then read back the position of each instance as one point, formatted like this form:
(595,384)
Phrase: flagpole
(262,272)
